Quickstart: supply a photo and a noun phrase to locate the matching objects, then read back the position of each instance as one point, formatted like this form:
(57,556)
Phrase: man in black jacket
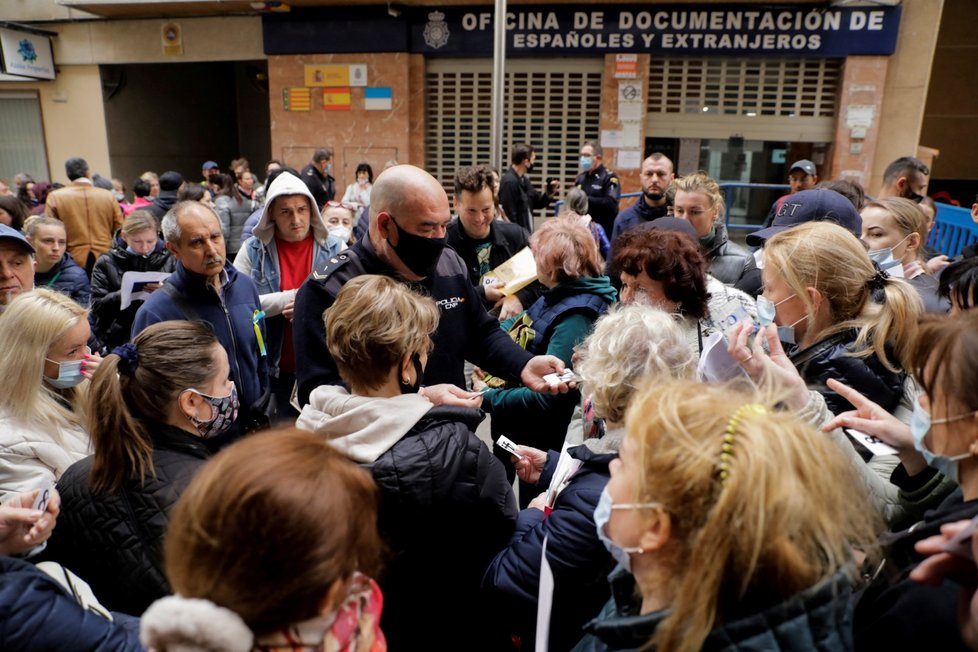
(485,243)
(318,176)
(656,175)
(406,240)
(516,193)
(600,184)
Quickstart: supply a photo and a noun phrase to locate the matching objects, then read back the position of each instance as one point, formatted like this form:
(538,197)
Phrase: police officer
(600,184)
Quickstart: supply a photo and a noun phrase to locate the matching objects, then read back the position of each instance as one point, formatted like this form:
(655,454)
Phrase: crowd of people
(246,416)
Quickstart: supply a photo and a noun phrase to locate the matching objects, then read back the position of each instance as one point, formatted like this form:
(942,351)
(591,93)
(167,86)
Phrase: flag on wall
(378,98)
(336,99)
(297,99)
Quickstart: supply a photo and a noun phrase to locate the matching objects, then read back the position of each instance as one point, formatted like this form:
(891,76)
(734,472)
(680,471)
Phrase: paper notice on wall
(860,115)
(629,159)
(626,66)
(612,138)
(630,100)
(631,134)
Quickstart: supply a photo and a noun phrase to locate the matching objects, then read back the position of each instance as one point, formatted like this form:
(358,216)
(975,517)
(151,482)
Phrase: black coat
(110,324)
(322,186)
(465,332)
(896,613)
(830,358)
(115,541)
(507,240)
(445,510)
(68,278)
(519,198)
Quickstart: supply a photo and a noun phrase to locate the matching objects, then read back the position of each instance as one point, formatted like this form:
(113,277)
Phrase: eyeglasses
(340,204)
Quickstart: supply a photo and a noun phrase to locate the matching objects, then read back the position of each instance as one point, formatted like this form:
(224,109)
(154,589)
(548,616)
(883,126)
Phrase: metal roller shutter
(554,105)
(761,99)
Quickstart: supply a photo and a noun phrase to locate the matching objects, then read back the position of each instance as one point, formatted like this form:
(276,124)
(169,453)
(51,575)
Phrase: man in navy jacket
(206,287)
(406,240)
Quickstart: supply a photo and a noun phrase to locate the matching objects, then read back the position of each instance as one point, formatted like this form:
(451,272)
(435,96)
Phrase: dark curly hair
(670,258)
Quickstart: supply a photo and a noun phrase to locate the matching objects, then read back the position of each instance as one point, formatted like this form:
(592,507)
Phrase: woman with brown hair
(152,404)
(271,547)
(895,612)
(733,538)
(661,264)
(445,506)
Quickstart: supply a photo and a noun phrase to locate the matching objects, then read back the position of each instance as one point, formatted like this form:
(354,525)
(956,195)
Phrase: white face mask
(342,233)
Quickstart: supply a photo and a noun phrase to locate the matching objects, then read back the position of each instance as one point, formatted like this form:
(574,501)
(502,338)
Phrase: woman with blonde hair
(153,405)
(137,248)
(271,547)
(699,201)
(733,538)
(895,232)
(445,505)
(629,347)
(44,367)
(838,314)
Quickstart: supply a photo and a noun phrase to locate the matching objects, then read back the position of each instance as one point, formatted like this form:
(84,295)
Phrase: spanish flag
(336,99)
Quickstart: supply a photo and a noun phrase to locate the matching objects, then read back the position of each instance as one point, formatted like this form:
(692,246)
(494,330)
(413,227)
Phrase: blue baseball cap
(815,205)
(210,165)
(8,233)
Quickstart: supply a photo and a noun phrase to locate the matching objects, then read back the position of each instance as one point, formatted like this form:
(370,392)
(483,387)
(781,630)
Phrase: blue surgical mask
(69,374)
(884,258)
(602,514)
(766,313)
(586,163)
(920,425)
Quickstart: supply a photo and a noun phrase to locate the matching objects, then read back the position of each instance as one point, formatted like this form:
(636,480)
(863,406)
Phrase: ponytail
(122,448)
(888,328)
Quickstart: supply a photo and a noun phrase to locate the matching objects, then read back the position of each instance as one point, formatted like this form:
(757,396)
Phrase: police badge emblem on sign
(436,31)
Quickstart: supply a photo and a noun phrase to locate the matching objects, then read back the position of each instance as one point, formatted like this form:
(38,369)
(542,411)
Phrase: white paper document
(133,284)
(716,365)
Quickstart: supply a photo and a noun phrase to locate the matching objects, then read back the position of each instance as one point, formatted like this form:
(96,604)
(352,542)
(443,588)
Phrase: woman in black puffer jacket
(137,248)
(152,404)
(445,506)
(838,315)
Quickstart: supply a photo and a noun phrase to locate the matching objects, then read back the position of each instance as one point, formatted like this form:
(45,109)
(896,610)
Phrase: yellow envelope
(517,272)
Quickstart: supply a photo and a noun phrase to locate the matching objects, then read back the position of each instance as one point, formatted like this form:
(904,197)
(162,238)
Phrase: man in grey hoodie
(289,241)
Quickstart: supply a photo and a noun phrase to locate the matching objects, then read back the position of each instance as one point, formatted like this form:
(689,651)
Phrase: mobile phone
(43,498)
(507,445)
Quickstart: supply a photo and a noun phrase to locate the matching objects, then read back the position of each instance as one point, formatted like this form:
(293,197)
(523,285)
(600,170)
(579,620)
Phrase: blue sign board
(677,30)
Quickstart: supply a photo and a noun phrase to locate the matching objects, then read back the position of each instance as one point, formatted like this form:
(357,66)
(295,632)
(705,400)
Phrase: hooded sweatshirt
(361,427)
(258,258)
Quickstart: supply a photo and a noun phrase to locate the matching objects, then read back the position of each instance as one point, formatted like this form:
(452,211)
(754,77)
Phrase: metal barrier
(953,230)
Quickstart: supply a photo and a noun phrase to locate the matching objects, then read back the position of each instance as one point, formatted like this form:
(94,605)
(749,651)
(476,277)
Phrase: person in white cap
(802,175)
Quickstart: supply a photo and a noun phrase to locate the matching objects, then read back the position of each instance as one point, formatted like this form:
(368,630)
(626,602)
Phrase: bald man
(406,240)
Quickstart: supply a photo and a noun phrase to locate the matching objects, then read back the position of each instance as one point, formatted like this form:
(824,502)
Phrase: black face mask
(412,388)
(530,166)
(912,196)
(420,254)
